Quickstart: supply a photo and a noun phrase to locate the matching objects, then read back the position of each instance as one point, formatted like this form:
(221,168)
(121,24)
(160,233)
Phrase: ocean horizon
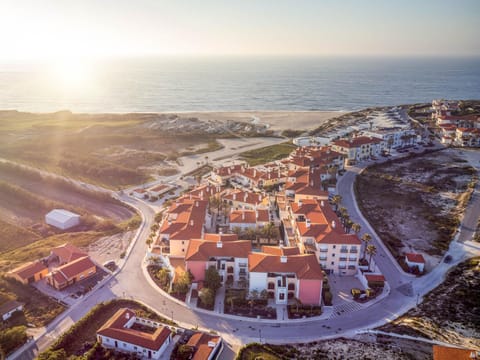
(190,84)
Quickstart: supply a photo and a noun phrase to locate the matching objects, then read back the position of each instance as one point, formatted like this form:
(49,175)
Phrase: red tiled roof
(75,267)
(246,197)
(451,353)
(220,237)
(159,188)
(305,266)
(200,342)
(416,258)
(68,252)
(28,270)
(189,221)
(201,250)
(356,142)
(243,217)
(280,251)
(372,277)
(115,328)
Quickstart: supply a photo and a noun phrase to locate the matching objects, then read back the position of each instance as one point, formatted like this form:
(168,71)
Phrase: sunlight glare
(72,74)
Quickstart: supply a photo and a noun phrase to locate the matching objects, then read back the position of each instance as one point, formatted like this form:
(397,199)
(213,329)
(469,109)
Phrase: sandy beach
(277,120)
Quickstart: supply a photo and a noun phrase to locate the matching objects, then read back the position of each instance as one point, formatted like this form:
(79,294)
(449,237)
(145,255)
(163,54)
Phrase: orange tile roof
(200,342)
(356,142)
(450,353)
(201,250)
(75,267)
(220,237)
(68,252)
(28,270)
(374,277)
(115,328)
(159,188)
(416,258)
(243,217)
(305,266)
(189,221)
(246,197)
(280,251)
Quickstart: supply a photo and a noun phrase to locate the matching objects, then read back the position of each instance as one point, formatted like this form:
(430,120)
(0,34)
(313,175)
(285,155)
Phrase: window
(134,348)
(183,250)
(333,262)
(281,296)
(352,258)
(333,255)
(183,242)
(334,246)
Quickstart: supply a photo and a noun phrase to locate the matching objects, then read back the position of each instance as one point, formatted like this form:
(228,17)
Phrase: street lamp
(172,315)
(418,295)
(260,335)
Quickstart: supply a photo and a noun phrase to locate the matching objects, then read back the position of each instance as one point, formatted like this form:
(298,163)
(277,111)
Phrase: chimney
(311,183)
(260,197)
(307,223)
(283,259)
(333,224)
(245,197)
(322,203)
(256,214)
(211,344)
(191,222)
(127,315)
(196,203)
(243,215)
(254,172)
(219,245)
(234,196)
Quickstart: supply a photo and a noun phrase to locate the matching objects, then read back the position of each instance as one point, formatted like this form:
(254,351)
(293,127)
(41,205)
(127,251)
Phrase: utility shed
(62,219)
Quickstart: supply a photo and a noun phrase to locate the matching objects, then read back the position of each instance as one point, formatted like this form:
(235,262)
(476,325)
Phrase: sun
(72,74)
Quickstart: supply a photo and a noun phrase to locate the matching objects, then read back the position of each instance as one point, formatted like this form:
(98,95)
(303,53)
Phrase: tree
(356,228)
(183,283)
(184,352)
(207,296)
(270,231)
(348,225)
(163,276)
(371,251)
(336,200)
(53,355)
(366,238)
(12,338)
(212,279)
(154,227)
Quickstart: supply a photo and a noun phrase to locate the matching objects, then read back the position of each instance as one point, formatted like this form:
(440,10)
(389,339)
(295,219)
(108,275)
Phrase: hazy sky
(53,28)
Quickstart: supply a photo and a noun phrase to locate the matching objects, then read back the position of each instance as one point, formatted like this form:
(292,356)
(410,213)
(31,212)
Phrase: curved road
(130,282)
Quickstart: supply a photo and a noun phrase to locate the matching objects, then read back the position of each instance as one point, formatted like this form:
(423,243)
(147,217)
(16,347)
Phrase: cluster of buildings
(154,191)
(65,266)
(455,129)
(314,239)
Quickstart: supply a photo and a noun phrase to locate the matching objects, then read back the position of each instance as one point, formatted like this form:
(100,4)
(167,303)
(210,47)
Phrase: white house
(62,219)
(415,260)
(120,333)
(7,309)
(205,346)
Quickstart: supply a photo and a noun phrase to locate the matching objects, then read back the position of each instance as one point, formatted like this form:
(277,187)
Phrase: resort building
(124,332)
(317,230)
(394,137)
(225,253)
(240,199)
(248,219)
(359,148)
(186,219)
(286,274)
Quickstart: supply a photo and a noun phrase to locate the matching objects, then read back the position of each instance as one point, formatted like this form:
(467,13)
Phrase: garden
(255,305)
(298,311)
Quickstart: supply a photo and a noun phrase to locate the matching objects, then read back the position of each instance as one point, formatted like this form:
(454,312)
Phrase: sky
(49,29)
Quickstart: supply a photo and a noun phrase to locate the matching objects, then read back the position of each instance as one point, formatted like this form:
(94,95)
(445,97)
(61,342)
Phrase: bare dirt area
(361,347)
(273,120)
(449,313)
(109,247)
(415,204)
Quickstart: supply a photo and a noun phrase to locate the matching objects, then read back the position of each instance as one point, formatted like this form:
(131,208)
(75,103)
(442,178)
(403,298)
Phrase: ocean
(242,83)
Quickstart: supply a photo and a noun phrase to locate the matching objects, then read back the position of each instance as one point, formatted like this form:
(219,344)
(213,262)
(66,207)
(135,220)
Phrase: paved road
(130,282)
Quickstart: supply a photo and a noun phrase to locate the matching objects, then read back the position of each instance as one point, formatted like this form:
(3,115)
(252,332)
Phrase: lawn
(268,153)
(12,235)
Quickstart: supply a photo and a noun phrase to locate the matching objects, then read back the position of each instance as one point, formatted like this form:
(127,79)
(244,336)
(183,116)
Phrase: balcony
(342,267)
(353,250)
(344,250)
(323,250)
(351,267)
(343,258)
(323,258)
(352,259)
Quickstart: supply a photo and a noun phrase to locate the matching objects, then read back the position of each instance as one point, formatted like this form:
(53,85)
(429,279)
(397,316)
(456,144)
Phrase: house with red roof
(121,334)
(66,253)
(186,219)
(359,148)
(241,199)
(159,190)
(467,137)
(29,273)
(71,273)
(441,352)
(318,231)
(414,260)
(205,346)
(248,219)
(286,274)
(225,253)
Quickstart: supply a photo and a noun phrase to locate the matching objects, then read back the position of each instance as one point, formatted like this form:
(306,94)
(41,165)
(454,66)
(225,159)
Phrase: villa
(119,333)
(286,274)
(240,199)
(29,273)
(359,148)
(71,273)
(248,219)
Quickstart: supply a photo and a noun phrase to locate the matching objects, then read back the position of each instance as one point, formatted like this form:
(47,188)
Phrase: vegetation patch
(449,313)
(415,204)
(268,153)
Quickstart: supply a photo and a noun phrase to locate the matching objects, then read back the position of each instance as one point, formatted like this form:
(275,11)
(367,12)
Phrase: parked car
(447,259)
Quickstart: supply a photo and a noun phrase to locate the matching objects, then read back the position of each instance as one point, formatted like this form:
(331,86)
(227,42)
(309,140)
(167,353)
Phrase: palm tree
(356,228)
(336,199)
(348,225)
(371,251)
(366,238)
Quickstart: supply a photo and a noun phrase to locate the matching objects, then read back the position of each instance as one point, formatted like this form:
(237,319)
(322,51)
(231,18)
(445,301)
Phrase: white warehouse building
(62,219)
